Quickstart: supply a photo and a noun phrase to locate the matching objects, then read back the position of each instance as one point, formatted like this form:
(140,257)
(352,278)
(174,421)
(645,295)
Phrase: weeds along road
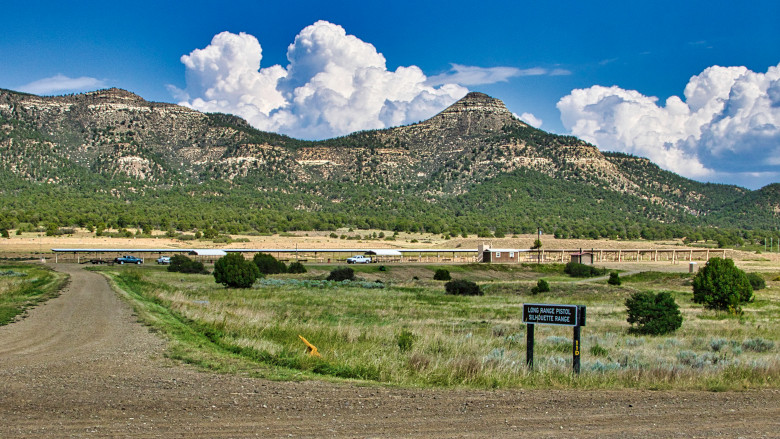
(81,366)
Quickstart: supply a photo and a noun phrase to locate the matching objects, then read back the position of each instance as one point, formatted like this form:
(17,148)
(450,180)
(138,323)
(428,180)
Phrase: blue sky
(692,85)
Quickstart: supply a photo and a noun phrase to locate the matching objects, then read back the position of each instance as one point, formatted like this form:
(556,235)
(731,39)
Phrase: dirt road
(80,366)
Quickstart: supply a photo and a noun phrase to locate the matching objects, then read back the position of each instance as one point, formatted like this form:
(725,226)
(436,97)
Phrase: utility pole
(538,244)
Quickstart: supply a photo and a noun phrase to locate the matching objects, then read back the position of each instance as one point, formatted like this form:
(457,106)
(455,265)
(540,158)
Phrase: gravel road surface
(81,366)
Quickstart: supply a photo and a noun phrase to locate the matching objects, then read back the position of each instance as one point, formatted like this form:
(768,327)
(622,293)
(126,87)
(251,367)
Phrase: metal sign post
(575,363)
(529,346)
(561,315)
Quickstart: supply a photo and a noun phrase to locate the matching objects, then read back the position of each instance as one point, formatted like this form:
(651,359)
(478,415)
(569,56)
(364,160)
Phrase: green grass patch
(23,286)
(656,277)
(410,333)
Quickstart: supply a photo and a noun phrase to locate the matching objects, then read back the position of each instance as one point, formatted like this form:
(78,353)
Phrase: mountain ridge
(116,143)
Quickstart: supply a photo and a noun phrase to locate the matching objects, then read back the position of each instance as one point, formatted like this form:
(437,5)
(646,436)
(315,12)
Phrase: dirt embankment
(81,366)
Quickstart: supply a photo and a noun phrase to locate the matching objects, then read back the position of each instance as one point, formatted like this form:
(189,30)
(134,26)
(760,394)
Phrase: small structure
(497,255)
(385,255)
(582,258)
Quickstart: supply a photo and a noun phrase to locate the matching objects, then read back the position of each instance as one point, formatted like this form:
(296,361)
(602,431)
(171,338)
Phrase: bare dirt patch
(80,366)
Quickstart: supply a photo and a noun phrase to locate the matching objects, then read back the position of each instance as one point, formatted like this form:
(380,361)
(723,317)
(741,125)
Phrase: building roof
(384,252)
(121,250)
(207,252)
(506,250)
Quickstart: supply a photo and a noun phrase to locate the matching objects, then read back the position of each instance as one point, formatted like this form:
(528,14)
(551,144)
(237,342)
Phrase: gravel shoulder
(81,366)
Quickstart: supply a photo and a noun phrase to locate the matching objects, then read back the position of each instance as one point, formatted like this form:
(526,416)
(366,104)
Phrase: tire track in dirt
(80,366)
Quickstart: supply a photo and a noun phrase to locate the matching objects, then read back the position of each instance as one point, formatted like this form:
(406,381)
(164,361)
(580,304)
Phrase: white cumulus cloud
(334,84)
(530,119)
(60,83)
(725,128)
(474,75)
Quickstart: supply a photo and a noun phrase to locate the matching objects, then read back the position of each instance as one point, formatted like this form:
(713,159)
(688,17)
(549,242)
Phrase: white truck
(359,259)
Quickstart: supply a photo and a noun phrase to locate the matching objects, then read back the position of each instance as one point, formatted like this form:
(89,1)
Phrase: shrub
(758,345)
(405,340)
(340,274)
(461,287)
(210,233)
(268,264)
(756,281)
(614,279)
(721,285)
(183,264)
(382,268)
(541,287)
(716,344)
(296,268)
(653,314)
(599,351)
(442,274)
(575,269)
(234,271)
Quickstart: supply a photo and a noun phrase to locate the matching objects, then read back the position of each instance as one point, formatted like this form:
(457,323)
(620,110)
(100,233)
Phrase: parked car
(164,260)
(359,259)
(128,260)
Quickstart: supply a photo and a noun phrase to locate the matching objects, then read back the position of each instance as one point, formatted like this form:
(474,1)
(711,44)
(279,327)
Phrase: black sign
(545,314)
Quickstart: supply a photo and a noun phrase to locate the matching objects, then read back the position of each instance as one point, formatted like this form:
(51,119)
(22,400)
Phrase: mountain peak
(479,102)
(474,113)
(114,94)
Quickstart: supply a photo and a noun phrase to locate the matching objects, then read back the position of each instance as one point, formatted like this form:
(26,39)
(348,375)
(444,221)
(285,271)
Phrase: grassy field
(23,286)
(403,330)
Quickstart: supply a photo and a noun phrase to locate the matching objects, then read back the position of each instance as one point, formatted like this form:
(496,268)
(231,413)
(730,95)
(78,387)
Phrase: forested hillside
(111,159)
